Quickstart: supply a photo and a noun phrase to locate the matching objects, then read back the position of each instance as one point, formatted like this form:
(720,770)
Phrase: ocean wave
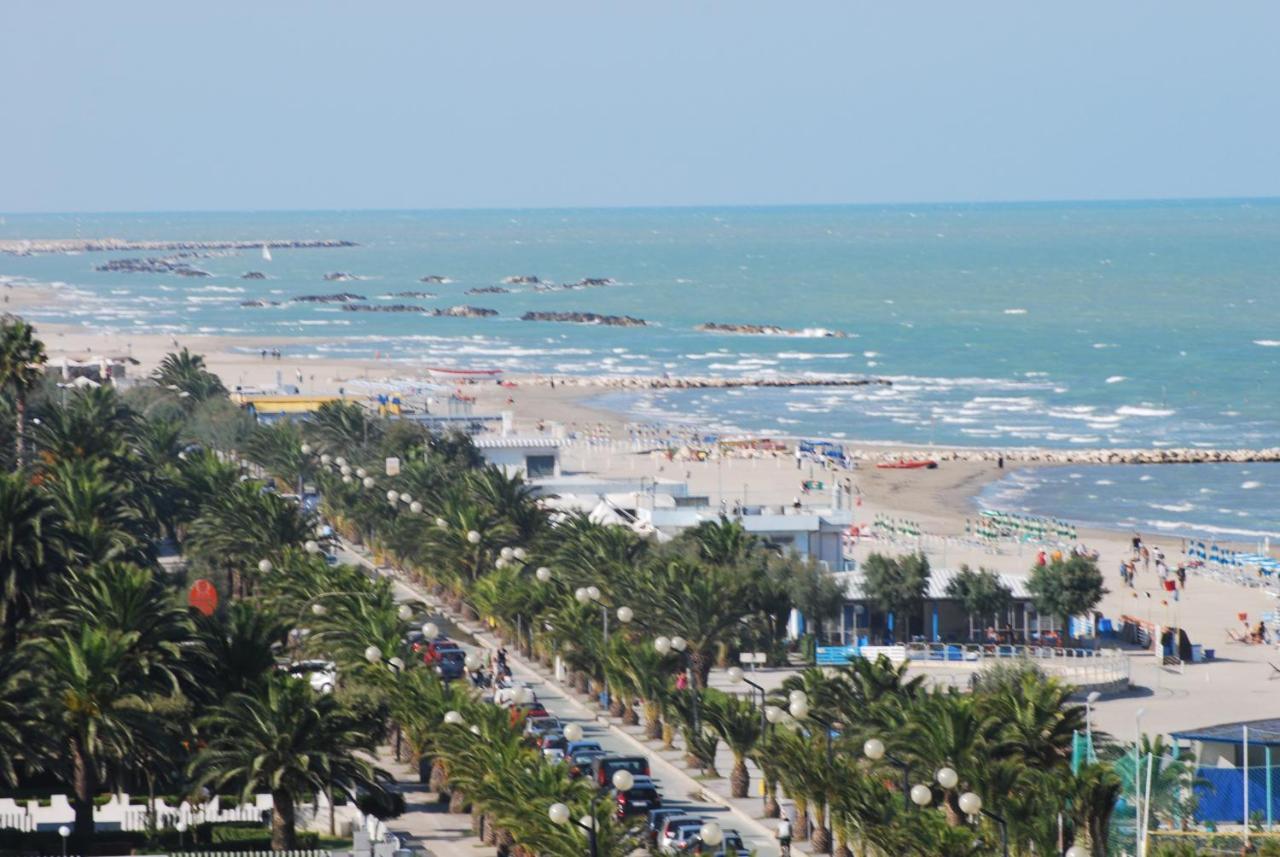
(236,289)
(1172,507)
(1210,528)
(1139,411)
(1015,311)
(1267,343)
(1250,485)
(1116,379)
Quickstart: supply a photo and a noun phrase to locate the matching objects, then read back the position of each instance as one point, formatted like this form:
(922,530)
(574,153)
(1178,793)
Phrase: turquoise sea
(1063,325)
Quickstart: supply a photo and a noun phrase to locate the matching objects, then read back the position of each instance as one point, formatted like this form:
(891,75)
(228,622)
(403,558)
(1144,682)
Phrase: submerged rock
(770,330)
(253,275)
(433,278)
(489,290)
(340,277)
(521,280)
(383,308)
(338,298)
(464,312)
(259,303)
(412,294)
(152,266)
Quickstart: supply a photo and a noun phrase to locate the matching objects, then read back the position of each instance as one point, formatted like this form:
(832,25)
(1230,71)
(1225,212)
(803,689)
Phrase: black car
(603,769)
(657,821)
(641,797)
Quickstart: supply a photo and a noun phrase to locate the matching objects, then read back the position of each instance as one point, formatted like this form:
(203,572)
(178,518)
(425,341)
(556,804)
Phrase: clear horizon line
(667,207)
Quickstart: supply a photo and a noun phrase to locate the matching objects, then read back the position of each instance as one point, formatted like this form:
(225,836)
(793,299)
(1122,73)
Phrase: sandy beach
(940,501)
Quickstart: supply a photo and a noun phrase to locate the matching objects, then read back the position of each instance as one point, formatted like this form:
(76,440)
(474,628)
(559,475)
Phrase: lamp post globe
(311,546)
(947,777)
(405,612)
(521,554)
(393,497)
(326,459)
(873,749)
(318,610)
(345,470)
(453,718)
(265,566)
(623,780)
(415,507)
(558,813)
(799,709)
(346,479)
(625,615)
(1076,851)
(921,795)
(306,449)
(734,675)
(472,661)
(572,732)
(65,831)
(507,553)
(798,696)
(368,482)
(711,834)
(441,523)
(593,592)
(679,643)
(406,497)
(582,595)
(372,654)
(476,730)
(431,630)
(543,574)
(397,664)
(473,536)
(340,461)
(361,472)
(774,714)
(662,645)
(970,803)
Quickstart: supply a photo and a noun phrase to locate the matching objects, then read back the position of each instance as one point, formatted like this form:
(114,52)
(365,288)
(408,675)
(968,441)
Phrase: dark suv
(640,798)
(451,664)
(605,767)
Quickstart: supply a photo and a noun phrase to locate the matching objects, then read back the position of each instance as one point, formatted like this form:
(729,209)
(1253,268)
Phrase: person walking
(783,835)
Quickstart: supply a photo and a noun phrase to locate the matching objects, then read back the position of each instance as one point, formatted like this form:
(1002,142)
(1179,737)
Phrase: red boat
(909,464)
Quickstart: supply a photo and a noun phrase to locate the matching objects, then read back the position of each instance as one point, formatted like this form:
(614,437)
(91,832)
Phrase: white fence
(1083,667)
(120,813)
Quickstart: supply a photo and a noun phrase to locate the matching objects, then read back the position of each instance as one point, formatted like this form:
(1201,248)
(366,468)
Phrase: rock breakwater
(1188,455)
(770,330)
(340,297)
(152,266)
(464,312)
(586,318)
(24,247)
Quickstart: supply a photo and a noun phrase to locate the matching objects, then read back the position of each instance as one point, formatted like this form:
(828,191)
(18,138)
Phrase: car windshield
(635,766)
(674,824)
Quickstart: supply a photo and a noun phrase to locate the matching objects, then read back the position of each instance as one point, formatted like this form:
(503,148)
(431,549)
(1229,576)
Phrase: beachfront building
(1226,757)
(534,457)
(815,534)
(99,368)
(941,618)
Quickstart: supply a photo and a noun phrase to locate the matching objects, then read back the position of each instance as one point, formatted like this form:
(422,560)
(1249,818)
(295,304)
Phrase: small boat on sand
(908,464)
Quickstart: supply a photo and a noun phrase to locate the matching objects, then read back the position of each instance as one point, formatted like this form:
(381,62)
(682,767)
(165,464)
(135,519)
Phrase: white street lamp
(799,709)
(406,497)
(947,777)
(265,566)
(506,553)
(774,714)
(326,459)
(441,523)
(679,643)
(921,795)
(572,732)
(798,696)
(453,718)
(472,661)
(593,592)
(306,449)
(587,823)
(874,750)
(397,664)
(393,497)
(372,654)
(346,479)
(415,507)
(521,554)
(543,574)
(623,780)
(734,674)
(473,536)
(361,472)
(318,610)
(368,482)
(1076,851)
(558,813)
(311,546)
(345,470)
(431,630)
(711,834)
(970,803)
(582,595)
(340,461)
(625,615)
(405,612)
(475,729)
(663,645)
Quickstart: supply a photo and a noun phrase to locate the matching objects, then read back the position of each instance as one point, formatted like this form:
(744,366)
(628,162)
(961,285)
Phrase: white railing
(120,813)
(1077,666)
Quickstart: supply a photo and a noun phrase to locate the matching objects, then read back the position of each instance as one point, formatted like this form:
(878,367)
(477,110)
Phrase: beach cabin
(533,458)
(812,533)
(1227,757)
(268,408)
(941,618)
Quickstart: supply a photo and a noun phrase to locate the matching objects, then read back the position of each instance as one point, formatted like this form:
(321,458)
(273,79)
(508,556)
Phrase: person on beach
(1146,559)
(1182,576)
(1137,544)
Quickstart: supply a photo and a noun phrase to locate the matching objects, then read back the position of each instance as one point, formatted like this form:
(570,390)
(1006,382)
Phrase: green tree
(981,593)
(897,585)
(21,359)
(287,740)
(186,373)
(814,592)
(24,529)
(1066,587)
(737,722)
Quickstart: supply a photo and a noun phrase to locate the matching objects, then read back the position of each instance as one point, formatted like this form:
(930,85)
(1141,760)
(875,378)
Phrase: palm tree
(96,514)
(702,603)
(342,428)
(1096,788)
(21,359)
(722,542)
(737,722)
(288,740)
(95,687)
(243,526)
(24,524)
(16,715)
(186,372)
(241,641)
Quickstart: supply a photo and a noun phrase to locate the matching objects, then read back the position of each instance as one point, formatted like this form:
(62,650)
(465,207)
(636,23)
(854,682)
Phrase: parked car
(580,761)
(730,846)
(657,820)
(451,664)
(526,711)
(641,797)
(552,745)
(678,829)
(603,769)
(536,727)
(323,675)
(574,746)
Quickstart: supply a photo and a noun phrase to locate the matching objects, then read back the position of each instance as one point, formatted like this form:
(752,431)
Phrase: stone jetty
(26,247)
(522,280)
(489,290)
(340,297)
(464,312)
(586,318)
(411,294)
(1020,455)
(383,308)
(710,382)
(434,278)
(152,266)
(253,275)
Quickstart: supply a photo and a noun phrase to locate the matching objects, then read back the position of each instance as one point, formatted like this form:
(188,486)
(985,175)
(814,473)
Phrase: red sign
(203,596)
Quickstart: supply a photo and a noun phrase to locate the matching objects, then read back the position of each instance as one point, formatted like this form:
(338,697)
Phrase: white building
(813,533)
(533,457)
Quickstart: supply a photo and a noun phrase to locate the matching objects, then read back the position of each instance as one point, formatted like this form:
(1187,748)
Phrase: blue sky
(299,105)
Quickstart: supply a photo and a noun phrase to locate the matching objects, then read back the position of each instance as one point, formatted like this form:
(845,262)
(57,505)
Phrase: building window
(540,466)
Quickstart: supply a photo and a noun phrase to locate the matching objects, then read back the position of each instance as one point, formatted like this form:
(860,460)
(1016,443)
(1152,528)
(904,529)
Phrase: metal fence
(1086,667)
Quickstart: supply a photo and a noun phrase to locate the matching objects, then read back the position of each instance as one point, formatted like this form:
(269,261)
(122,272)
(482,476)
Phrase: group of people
(1171,580)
